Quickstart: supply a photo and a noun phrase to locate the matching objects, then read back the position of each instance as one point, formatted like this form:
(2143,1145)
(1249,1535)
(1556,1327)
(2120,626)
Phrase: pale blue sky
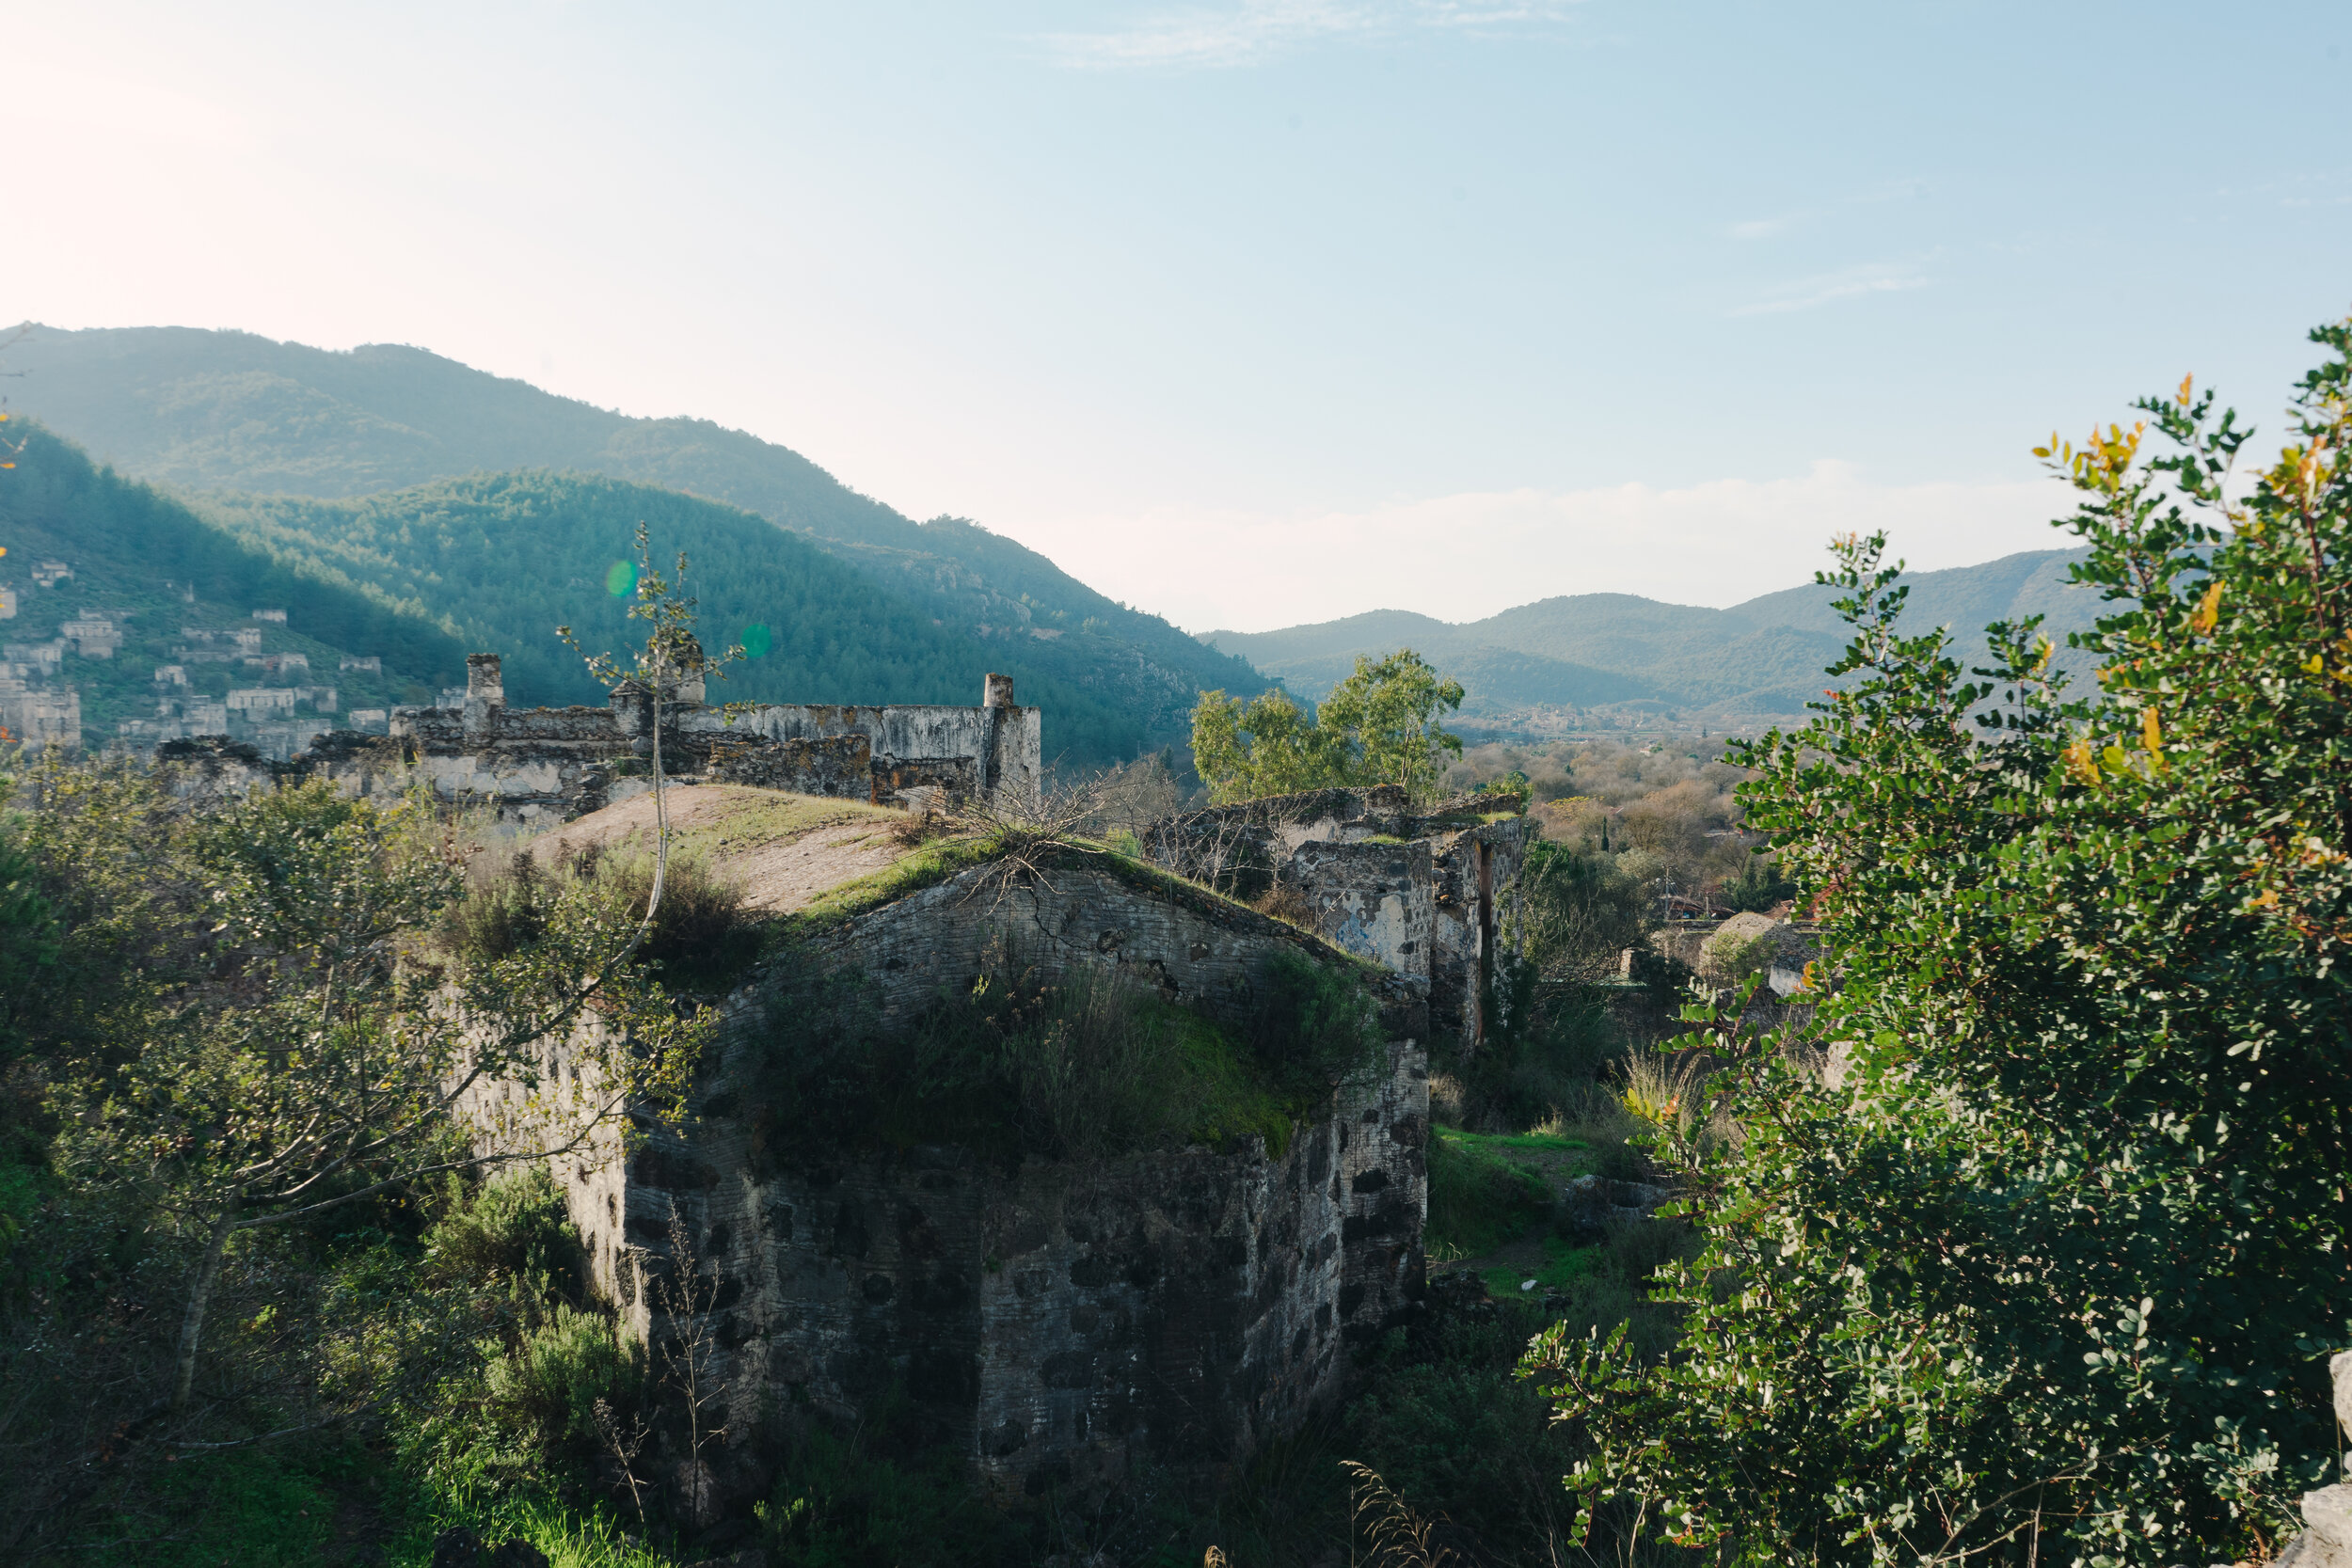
(1251,312)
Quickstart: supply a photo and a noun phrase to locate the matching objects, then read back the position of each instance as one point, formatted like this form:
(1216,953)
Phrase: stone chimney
(486,694)
(997,691)
(632,709)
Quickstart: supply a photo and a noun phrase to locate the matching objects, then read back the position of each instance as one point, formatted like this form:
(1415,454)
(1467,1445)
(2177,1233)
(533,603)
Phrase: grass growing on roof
(926,866)
(1027,1062)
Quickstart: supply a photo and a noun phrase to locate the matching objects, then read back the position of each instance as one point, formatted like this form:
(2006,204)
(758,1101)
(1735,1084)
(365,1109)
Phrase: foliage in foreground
(2051,1274)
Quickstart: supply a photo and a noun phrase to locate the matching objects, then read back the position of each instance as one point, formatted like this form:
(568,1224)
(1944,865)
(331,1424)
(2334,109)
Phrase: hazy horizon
(1237,310)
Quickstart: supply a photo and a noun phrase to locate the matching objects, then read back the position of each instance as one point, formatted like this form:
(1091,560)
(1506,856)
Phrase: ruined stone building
(545,765)
(1053,1321)
(1421,891)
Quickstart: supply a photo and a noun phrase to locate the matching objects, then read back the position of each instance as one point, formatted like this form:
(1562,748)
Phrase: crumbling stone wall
(549,764)
(1423,892)
(1060,1322)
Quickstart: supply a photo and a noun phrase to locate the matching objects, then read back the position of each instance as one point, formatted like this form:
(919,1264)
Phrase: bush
(539,1399)
(1089,1066)
(512,1227)
(526,1399)
(701,933)
(1312,1024)
(2053,1270)
(1457,1433)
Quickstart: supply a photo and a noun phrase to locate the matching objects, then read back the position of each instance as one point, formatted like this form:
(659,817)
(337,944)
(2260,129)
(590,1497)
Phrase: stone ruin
(1056,1324)
(1060,1323)
(541,766)
(1421,891)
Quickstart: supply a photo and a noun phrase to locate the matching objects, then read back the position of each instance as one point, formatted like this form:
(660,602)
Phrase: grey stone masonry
(549,765)
(1423,890)
(1056,1322)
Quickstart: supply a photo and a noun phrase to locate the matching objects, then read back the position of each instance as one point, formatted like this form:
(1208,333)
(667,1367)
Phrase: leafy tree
(301,1054)
(2047,1266)
(1388,711)
(292,1041)
(1270,746)
(1377,726)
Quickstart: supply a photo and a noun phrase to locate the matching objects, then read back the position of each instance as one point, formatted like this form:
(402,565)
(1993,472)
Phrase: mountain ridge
(1764,655)
(220,412)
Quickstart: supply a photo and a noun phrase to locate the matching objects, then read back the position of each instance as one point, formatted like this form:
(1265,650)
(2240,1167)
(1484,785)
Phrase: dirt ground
(785,851)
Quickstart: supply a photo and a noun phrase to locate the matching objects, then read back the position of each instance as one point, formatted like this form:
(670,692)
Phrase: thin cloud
(1828,288)
(1762,229)
(1260,30)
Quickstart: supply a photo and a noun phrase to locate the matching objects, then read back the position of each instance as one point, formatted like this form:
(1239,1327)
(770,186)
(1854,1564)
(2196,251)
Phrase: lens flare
(757,640)
(621,580)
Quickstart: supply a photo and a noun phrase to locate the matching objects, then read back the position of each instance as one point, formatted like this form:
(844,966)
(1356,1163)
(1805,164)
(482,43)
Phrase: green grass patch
(924,867)
(1495,1144)
(1563,1262)
(1478,1199)
(570,1537)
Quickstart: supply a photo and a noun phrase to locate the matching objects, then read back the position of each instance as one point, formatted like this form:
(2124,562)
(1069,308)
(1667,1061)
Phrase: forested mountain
(500,561)
(230,411)
(150,567)
(1765,656)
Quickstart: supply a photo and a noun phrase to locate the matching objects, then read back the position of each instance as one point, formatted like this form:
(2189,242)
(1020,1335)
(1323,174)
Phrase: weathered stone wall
(1060,1322)
(1424,893)
(539,765)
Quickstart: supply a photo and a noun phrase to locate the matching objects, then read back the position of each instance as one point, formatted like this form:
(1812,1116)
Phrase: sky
(1251,312)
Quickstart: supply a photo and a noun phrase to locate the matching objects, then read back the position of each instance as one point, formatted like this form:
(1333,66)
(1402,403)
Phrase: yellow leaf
(2186,382)
(2152,732)
(2079,764)
(2313,665)
(2208,611)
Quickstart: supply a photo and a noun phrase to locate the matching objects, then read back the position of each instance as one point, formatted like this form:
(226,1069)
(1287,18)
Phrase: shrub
(539,1399)
(511,1227)
(1086,1066)
(1312,1024)
(2053,1273)
(701,932)
(1455,1431)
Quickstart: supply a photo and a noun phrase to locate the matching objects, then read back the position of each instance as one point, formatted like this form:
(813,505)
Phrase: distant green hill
(500,561)
(143,561)
(1763,657)
(230,411)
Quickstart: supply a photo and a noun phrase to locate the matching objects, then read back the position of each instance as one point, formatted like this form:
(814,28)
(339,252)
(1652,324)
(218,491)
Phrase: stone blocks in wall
(1425,893)
(553,764)
(1057,1321)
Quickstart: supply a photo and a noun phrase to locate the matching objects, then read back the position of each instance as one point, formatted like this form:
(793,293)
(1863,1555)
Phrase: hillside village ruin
(1055,1321)
(1058,1321)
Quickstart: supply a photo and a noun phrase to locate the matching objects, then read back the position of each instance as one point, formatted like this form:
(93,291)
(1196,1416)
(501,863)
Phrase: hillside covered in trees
(231,411)
(152,568)
(500,561)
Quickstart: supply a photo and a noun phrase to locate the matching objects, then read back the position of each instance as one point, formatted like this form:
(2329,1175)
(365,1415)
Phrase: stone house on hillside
(1423,890)
(1052,1321)
(546,765)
